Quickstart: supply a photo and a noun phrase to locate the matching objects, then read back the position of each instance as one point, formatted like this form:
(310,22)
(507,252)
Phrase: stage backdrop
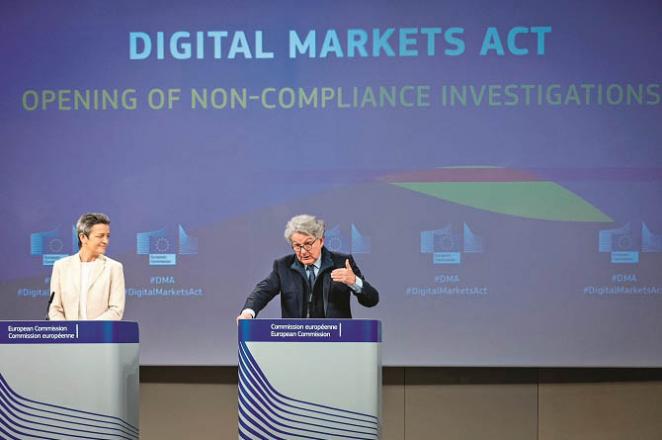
(494,167)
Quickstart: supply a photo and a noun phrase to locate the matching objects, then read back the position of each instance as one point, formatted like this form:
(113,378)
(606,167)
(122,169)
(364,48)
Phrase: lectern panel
(309,379)
(69,379)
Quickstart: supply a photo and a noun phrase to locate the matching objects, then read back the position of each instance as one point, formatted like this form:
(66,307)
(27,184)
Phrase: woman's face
(97,242)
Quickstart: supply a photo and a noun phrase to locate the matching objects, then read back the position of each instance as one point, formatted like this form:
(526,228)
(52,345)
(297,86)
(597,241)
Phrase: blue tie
(311,276)
(311,283)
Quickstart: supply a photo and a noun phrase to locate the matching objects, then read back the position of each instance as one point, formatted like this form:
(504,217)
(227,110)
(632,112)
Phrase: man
(313,282)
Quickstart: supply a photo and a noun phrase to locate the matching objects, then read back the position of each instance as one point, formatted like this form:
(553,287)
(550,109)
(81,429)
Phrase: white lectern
(69,380)
(309,379)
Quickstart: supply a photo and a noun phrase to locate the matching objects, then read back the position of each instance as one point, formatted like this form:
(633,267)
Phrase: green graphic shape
(536,200)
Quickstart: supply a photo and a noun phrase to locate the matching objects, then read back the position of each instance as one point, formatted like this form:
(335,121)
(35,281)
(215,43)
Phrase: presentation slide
(495,168)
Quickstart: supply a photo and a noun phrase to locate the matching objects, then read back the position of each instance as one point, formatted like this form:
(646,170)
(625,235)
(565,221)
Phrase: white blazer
(105,297)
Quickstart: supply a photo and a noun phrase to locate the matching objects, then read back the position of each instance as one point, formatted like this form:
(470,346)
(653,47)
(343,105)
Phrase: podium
(69,380)
(309,379)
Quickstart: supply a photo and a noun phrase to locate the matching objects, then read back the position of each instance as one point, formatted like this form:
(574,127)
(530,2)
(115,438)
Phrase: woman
(88,285)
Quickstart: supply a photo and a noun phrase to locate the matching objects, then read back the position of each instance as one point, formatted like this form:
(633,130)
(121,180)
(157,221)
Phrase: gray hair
(87,221)
(304,224)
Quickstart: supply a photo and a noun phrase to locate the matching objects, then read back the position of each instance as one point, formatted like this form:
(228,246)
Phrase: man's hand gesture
(344,275)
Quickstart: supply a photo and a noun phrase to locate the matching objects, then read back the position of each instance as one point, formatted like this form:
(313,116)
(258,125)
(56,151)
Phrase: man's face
(97,242)
(306,247)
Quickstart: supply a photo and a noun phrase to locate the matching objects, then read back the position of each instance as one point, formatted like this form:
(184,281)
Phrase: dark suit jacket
(288,278)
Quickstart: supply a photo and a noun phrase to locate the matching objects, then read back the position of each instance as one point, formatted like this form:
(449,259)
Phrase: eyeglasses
(303,247)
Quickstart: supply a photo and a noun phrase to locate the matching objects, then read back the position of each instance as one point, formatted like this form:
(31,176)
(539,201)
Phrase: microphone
(309,306)
(48,306)
(310,271)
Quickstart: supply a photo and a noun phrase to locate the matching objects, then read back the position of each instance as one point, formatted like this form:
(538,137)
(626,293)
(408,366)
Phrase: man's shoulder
(285,260)
(337,256)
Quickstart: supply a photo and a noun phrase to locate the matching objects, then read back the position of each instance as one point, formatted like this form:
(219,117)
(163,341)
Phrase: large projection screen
(495,168)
